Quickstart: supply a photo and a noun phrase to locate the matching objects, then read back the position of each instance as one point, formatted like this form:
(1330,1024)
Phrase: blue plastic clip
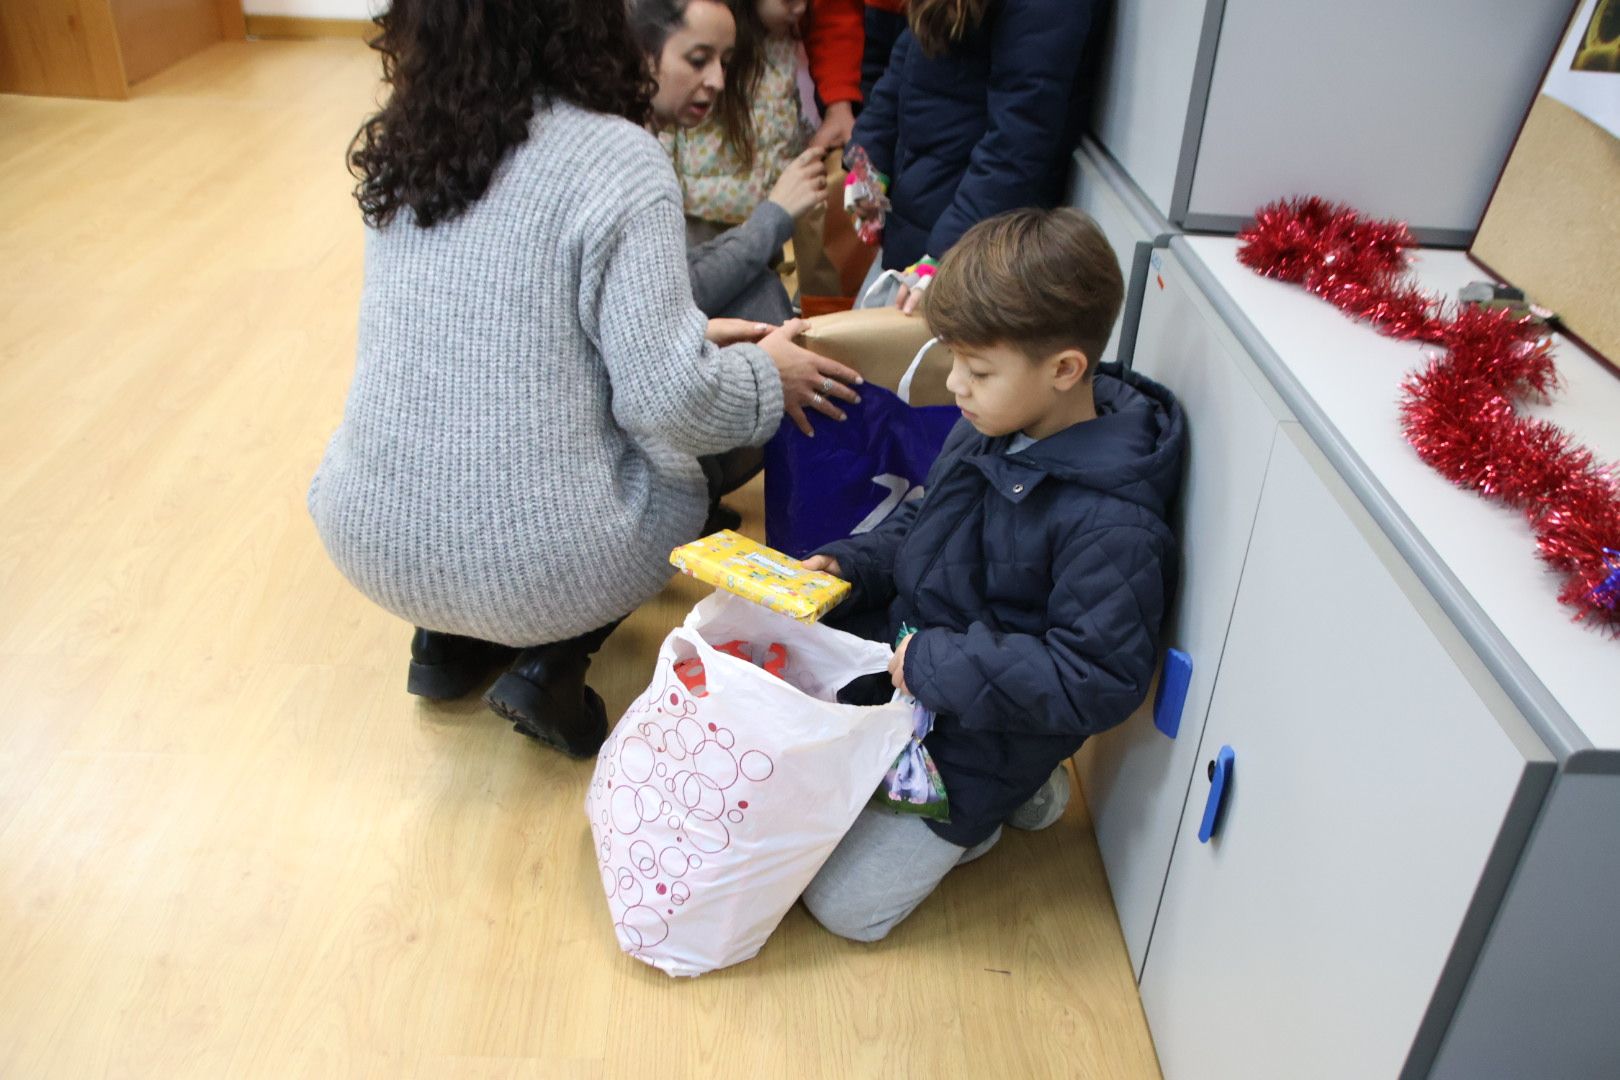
(1172,695)
(1220,776)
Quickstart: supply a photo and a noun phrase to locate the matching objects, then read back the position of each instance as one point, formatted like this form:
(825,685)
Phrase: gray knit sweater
(518,454)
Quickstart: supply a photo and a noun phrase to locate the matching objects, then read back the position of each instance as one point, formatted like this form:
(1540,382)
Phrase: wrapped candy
(913,784)
(864,194)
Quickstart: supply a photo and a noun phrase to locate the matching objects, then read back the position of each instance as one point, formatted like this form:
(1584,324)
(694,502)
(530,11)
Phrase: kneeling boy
(1037,568)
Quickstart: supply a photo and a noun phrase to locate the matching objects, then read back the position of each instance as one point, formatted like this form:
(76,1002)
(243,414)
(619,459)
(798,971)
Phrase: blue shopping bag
(853,475)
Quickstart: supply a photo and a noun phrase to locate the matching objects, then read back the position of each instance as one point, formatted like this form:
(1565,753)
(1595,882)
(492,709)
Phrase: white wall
(313,9)
(1141,107)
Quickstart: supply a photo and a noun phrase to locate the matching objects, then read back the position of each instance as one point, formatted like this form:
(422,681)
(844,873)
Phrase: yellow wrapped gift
(730,561)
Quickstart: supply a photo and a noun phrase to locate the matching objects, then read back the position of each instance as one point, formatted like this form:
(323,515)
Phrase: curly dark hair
(465,77)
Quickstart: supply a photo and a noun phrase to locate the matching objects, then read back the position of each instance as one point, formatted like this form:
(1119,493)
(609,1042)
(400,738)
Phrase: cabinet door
(1422,138)
(1374,763)
(1135,777)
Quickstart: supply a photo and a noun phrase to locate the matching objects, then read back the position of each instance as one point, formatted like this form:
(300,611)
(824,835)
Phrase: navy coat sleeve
(877,128)
(1083,676)
(867,561)
(1035,54)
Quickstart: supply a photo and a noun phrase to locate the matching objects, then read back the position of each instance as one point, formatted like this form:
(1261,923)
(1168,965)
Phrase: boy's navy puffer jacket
(988,126)
(1038,582)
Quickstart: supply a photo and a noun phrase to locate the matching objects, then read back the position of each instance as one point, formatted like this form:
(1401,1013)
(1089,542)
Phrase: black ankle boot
(446,666)
(545,697)
(721,517)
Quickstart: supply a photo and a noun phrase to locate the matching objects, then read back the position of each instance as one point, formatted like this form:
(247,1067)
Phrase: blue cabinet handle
(1172,695)
(1220,777)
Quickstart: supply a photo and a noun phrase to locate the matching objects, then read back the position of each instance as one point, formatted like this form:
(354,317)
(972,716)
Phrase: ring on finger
(815,399)
(826,385)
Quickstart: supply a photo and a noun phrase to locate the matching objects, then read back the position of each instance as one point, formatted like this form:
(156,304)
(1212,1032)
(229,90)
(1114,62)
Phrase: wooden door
(99,48)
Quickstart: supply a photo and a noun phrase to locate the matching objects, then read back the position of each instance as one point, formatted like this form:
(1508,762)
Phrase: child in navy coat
(1036,570)
(978,112)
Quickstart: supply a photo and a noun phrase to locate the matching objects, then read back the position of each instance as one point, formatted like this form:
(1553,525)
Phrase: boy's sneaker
(1046,805)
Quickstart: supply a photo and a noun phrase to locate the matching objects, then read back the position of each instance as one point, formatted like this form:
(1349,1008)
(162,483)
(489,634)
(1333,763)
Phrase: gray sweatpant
(885,866)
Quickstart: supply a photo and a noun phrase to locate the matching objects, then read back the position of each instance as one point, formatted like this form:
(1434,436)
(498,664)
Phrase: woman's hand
(725,332)
(808,380)
(825,564)
(837,124)
(803,184)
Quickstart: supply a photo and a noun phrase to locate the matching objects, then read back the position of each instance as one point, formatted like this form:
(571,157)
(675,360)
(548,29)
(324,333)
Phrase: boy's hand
(907,299)
(897,668)
(824,563)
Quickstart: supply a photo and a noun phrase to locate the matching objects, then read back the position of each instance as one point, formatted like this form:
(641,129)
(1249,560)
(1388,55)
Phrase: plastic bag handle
(691,637)
(903,391)
(887,275)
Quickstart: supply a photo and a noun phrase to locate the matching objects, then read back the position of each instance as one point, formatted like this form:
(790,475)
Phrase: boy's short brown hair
(1036,280)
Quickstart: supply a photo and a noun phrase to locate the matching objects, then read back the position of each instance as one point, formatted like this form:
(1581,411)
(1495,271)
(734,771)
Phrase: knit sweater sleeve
(670,385)
(723,267)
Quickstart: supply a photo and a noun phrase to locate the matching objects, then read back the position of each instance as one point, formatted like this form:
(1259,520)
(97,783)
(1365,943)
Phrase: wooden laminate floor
(230,844)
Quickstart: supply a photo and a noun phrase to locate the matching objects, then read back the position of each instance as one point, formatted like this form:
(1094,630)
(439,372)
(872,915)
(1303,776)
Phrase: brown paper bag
(880,343)
(831,260)
(817,274)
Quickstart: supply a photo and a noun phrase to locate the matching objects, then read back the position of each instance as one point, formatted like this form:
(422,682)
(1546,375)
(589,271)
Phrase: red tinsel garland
(1458,413)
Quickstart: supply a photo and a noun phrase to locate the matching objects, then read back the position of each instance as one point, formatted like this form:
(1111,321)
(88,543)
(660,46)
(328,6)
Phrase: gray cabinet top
(1342,380)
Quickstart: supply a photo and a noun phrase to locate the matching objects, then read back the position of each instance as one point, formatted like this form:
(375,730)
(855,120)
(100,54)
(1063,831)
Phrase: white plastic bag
(712,813)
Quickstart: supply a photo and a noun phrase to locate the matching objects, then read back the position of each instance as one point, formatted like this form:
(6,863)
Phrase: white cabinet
(1407,110)
(1416,868)
(1135,777)
(1375,762)
(1544,996)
